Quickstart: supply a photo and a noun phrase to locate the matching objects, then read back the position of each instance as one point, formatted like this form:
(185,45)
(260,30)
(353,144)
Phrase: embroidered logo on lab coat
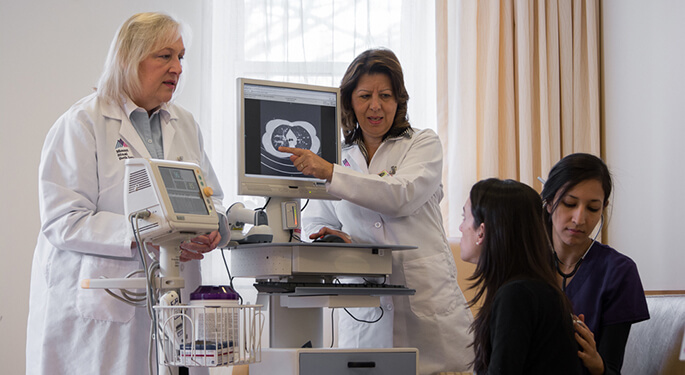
(122,150)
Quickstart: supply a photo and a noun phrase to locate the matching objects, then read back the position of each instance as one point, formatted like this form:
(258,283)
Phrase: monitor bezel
(294,187)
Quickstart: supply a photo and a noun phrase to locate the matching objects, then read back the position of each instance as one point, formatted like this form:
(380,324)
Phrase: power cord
(266,204)
(362,320)
(230,278)
(150,296)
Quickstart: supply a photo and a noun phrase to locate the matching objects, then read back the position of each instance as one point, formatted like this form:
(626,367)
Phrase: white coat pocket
(96,303)
(435,280)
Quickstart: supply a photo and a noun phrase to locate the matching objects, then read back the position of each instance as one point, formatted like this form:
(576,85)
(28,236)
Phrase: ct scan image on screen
(272,124)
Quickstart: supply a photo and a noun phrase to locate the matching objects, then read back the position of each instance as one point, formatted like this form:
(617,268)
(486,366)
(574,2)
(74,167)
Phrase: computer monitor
(273,114)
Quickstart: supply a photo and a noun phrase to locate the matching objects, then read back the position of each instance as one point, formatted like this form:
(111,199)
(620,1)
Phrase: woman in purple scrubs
(603,285)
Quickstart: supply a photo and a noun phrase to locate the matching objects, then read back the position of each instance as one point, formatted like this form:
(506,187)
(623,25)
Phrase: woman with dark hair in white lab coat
(390,185)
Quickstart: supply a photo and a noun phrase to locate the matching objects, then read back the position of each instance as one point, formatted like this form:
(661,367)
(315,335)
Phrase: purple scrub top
(607,290)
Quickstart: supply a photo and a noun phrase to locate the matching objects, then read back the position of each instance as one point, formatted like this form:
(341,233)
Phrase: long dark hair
(569,172)
(373,61)
(515,246)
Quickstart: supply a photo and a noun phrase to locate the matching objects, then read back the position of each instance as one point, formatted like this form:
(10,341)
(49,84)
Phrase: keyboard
(302,288)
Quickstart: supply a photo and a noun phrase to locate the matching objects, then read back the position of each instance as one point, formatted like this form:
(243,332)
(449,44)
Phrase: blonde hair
(136,39)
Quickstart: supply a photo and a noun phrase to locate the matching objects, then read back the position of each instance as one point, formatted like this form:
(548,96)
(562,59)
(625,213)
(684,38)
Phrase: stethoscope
(566,276)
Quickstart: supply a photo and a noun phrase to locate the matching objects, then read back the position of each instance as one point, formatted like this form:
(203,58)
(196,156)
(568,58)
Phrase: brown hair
(506,206)
(374,61)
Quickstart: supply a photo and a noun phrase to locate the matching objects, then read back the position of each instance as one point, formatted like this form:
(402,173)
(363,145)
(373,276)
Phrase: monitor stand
(284,218)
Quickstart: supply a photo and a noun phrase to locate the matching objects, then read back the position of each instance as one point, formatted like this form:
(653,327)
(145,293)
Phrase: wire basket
(208,336)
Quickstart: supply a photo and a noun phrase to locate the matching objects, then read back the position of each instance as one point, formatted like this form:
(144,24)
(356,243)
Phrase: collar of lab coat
(361,154)
(407,133)
(122,113)
(130,106)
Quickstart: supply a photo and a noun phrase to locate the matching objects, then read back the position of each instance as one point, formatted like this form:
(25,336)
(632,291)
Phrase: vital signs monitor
(172,197)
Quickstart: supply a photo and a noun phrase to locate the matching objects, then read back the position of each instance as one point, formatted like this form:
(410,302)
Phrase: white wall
(644,94)
(51,54)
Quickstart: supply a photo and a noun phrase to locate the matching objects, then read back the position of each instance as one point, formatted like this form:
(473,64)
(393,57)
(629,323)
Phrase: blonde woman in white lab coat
(390,186)
(84,233)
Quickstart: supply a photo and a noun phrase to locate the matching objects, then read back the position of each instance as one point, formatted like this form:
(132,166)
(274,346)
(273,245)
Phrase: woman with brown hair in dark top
(525,324)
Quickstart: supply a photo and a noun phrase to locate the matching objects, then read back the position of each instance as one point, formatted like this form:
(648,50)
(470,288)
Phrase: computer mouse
(330,238)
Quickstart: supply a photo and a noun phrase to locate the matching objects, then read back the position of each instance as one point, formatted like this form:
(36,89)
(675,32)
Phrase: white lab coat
(401,209)
(84,234)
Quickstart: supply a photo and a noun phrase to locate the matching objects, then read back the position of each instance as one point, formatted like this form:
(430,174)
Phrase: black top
(530,333)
